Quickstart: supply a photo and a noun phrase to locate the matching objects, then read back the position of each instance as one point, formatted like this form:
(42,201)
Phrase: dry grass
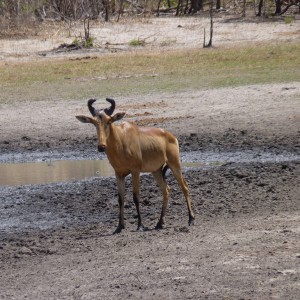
(130,73)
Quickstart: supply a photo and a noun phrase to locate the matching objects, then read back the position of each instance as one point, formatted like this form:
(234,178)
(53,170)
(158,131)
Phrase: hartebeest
(131,150)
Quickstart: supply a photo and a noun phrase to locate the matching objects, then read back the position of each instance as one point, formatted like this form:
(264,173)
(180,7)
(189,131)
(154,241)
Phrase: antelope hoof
(141,228)
(119,229)
(159,226)
(191,221)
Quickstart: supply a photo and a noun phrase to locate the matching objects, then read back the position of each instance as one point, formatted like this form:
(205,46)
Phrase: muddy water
(58,171)
(52,171)
(67,170)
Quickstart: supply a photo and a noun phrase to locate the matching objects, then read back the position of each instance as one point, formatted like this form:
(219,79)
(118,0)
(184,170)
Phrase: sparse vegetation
(89,42)
(168,43)
(289,19)
(137,42)
(82,43)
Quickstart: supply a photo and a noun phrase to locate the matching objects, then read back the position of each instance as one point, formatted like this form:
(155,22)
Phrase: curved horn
(91,108)
(110,110)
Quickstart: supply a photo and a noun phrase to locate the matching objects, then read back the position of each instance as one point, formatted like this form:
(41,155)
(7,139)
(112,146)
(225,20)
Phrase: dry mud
(56,239)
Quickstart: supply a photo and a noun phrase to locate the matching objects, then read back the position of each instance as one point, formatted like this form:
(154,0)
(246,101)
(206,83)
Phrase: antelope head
(102,119)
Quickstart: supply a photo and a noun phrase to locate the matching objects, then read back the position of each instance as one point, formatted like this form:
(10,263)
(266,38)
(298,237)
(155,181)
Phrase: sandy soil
(244,245)
(158,33)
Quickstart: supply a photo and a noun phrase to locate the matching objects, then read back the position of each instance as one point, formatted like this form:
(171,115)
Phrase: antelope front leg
(121,190)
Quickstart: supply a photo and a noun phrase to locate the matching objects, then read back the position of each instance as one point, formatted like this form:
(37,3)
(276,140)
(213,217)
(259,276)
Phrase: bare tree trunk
(277,7)
(18,12)
(158,5)
(106,10)
(179,7)
(86,25)
(120,9)
(200,4)
(187,8)
(194,6)
(260,7)
(113,6)
(244,9)
(211,27)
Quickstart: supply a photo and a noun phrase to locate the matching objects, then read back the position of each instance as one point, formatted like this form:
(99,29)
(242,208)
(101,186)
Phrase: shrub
(137,42)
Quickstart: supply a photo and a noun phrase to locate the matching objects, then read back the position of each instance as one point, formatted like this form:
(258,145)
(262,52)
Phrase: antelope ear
(117,117)
(85,119)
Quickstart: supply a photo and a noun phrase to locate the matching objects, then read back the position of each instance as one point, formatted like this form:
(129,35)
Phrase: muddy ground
(56,239)
(244,245)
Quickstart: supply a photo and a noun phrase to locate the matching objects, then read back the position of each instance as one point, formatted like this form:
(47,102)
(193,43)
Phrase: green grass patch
(125,74)
(137,42)
(289,19)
